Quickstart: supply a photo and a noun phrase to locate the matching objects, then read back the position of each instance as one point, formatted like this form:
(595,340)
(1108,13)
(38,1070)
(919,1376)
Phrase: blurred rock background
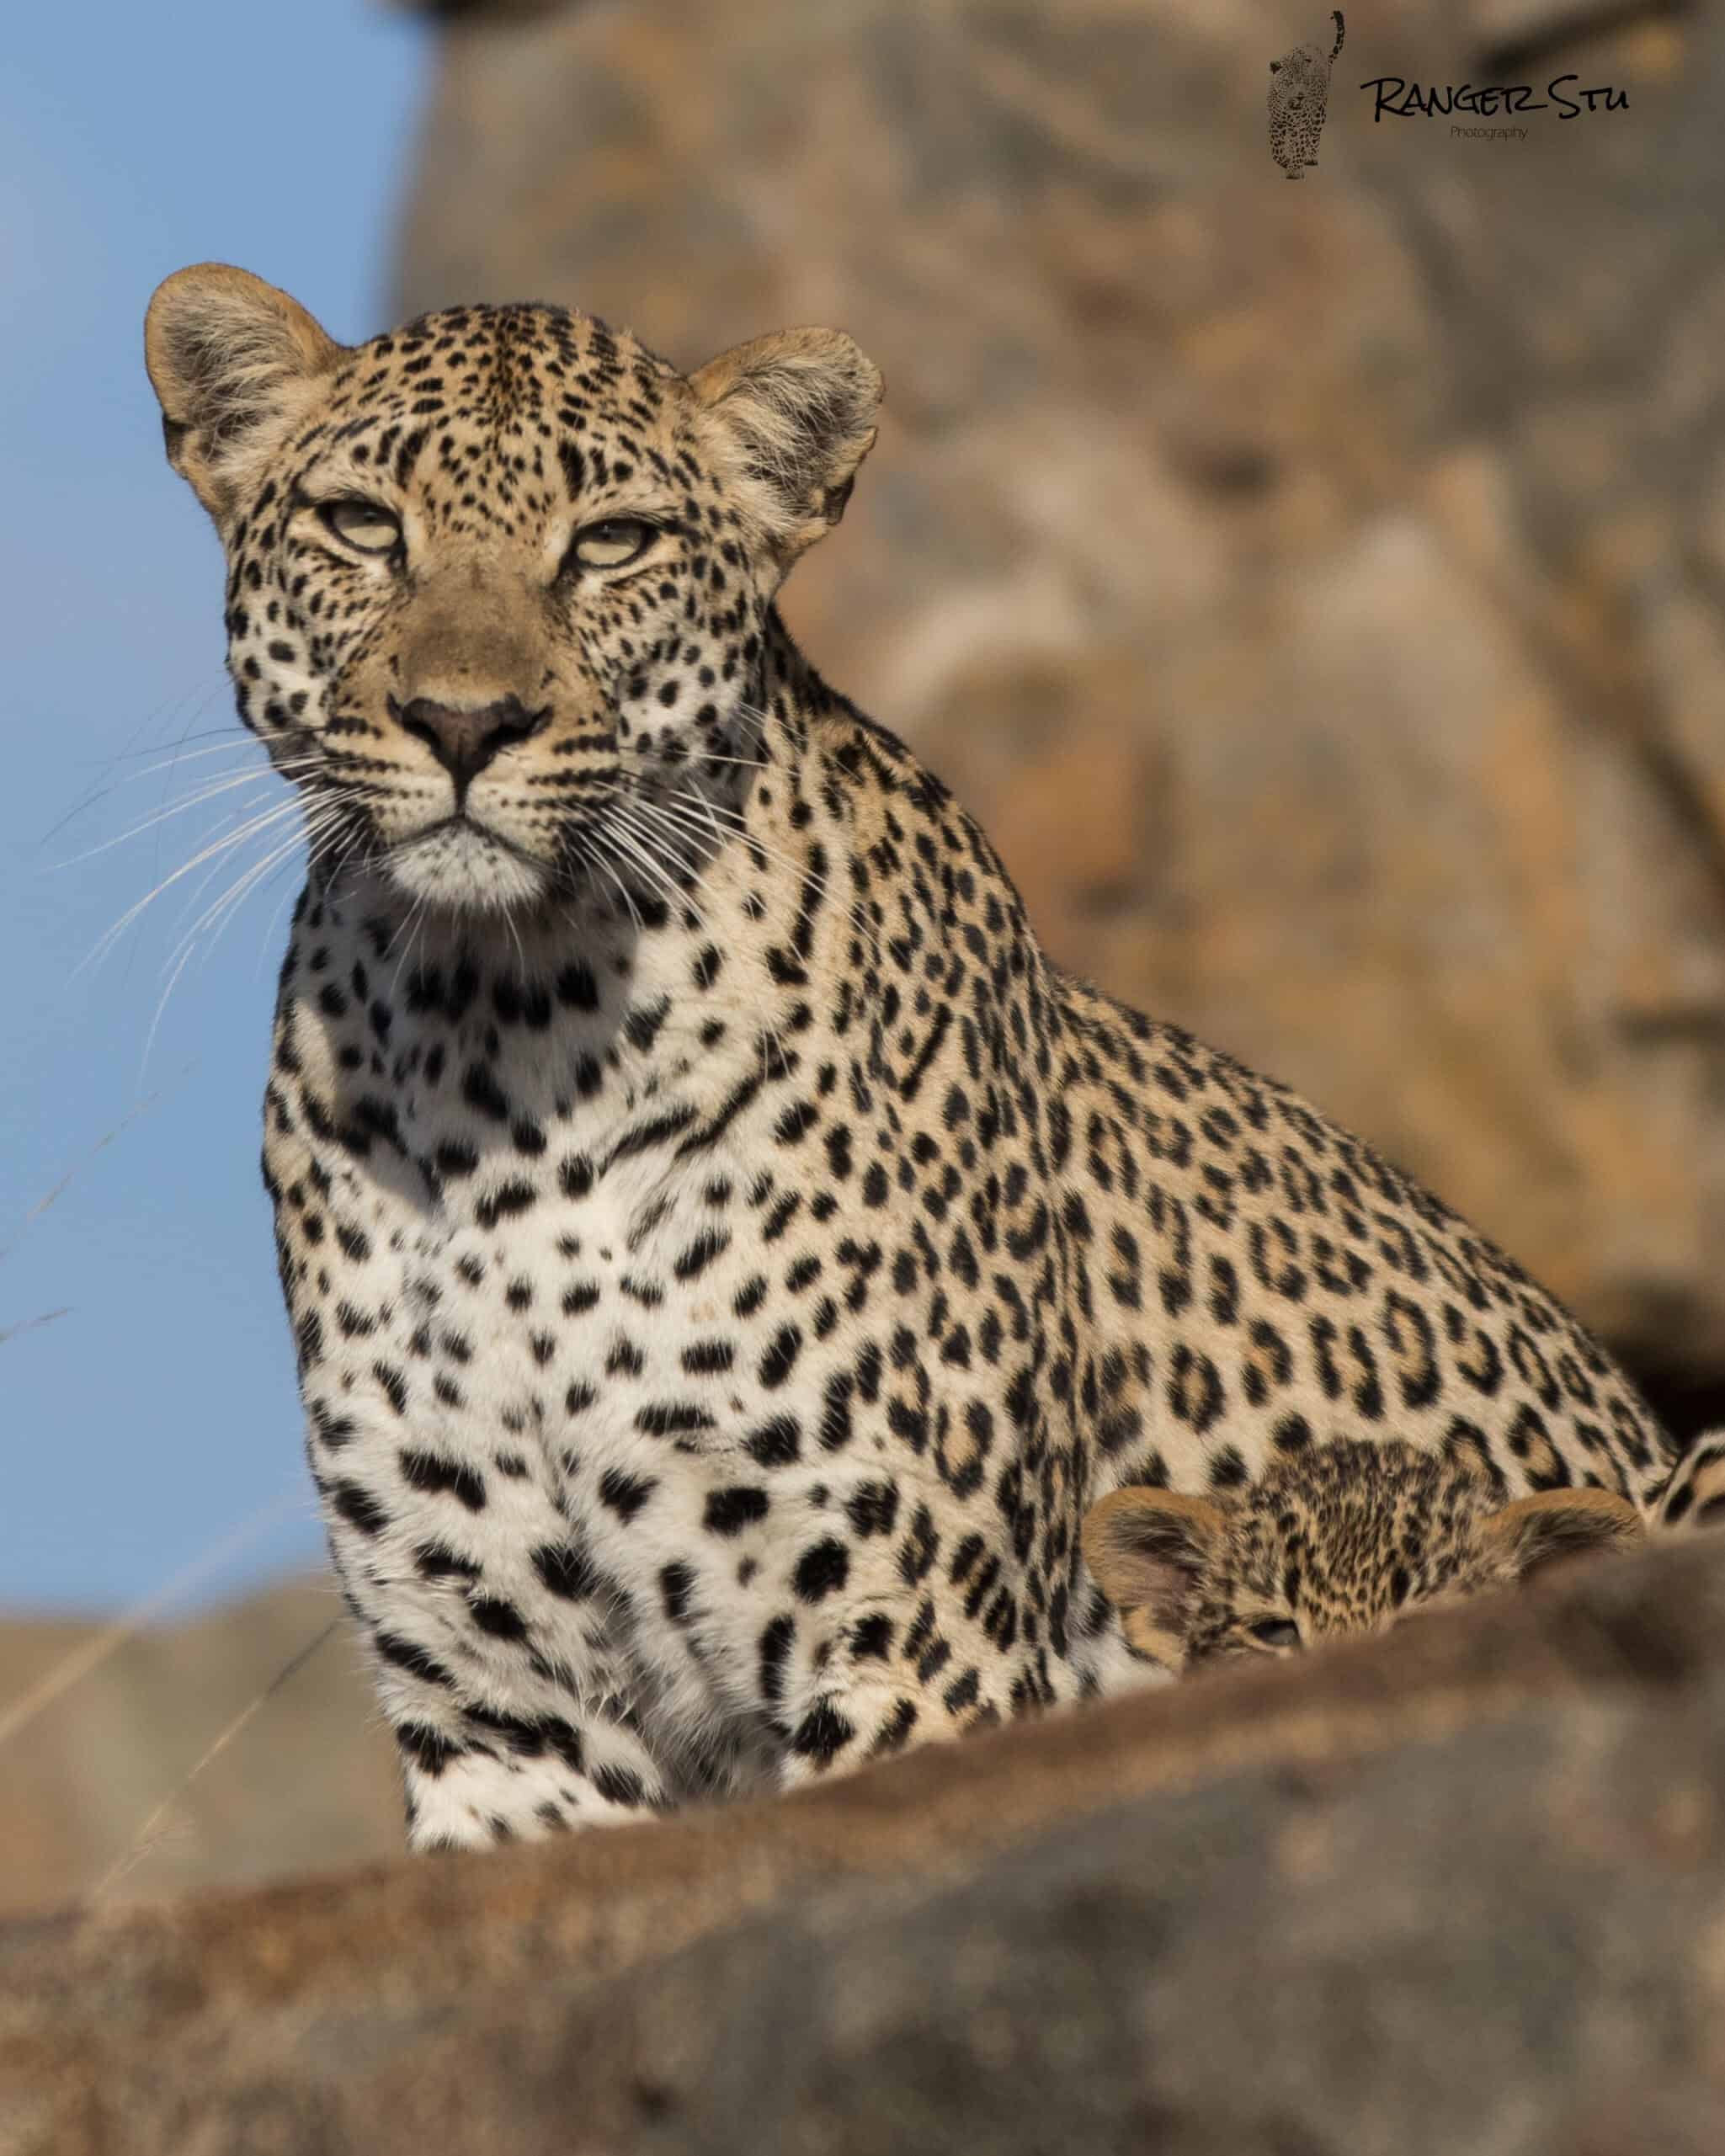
(1318,596)
(98,1799)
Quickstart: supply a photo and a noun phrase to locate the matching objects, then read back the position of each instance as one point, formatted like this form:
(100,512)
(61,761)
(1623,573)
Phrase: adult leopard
(727,1257)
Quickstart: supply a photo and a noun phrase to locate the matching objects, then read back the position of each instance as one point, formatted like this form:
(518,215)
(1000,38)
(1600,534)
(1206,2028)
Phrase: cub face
(1350,1537)
(498,583)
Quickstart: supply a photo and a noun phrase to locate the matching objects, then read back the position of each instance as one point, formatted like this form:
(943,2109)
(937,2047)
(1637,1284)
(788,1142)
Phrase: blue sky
(152,1427)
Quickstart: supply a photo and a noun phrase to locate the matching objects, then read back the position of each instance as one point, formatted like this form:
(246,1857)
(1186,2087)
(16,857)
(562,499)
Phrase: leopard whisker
(628,822)
(211,922)
(248,830)
(850,908)
(628,843)
(602,836)
(768,1029)
(198,800)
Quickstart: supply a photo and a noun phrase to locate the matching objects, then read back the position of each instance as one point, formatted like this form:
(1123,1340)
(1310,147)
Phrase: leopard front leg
(889,1655)
(479,1776)
(495,1646)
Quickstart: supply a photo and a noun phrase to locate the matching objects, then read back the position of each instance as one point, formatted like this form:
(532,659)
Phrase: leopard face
(1350,1538)
(498,581)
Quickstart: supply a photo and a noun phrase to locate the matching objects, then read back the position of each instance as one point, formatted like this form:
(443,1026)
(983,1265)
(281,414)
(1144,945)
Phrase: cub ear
(1536,1532)
(799,409)
(229,356)
(1148,1549)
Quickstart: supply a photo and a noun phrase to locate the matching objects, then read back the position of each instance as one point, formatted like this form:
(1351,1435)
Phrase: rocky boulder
(1460,1889)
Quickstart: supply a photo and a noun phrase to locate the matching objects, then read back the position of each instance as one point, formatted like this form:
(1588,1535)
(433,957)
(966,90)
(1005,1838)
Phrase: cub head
(1349,1537)
(500,583)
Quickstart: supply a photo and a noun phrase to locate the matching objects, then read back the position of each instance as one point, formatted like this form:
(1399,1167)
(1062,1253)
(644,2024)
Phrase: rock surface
(1318,595)
(1460,1889)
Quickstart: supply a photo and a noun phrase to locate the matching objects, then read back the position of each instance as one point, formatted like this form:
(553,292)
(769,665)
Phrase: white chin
(465,869)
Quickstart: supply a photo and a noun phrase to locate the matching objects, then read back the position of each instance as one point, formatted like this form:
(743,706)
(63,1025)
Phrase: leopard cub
(1347,1537)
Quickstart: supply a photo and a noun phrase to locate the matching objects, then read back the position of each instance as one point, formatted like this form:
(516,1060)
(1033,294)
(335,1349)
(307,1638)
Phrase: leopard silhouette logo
(1299,97)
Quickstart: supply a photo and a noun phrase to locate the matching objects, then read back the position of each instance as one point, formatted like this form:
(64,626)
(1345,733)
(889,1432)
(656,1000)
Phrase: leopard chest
(552,1307)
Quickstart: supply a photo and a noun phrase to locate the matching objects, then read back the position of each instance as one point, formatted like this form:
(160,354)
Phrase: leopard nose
(464,741)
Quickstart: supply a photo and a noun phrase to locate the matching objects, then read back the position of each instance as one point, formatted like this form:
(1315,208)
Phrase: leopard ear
(797,410)
(1148,1549)
(1537,1532)
(229,359)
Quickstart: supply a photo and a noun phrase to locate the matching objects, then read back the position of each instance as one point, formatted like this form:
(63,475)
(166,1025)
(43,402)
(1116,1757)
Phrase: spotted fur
(727,1257)
(1694,1496)
(1349,1537)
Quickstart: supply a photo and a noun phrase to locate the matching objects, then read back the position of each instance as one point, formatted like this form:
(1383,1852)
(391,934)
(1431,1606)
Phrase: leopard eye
(1275,1632)
(362,525)
(612,544)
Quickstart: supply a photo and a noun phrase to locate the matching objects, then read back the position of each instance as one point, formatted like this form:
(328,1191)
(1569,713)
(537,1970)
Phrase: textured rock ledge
(1462,1889)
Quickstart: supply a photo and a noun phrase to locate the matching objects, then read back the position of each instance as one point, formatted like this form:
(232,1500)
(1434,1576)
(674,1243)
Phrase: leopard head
(500,583)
